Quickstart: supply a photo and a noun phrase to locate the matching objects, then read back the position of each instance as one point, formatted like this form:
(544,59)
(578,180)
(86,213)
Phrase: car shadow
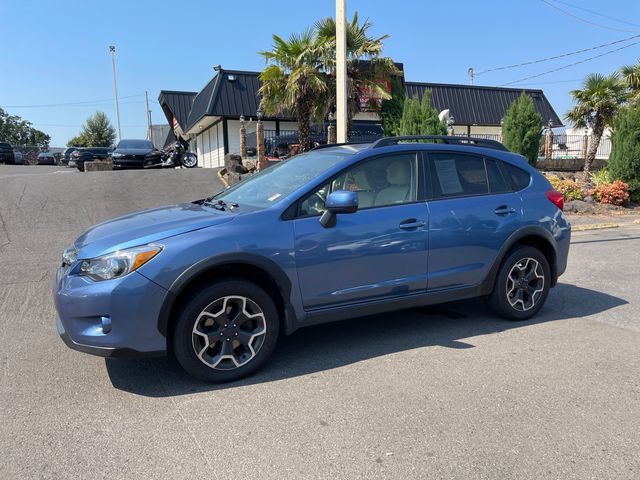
(333,345)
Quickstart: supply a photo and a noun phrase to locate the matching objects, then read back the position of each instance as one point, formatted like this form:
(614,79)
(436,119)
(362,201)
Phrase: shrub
(616,193)
(522,127)
(600,177)
(624,161)
(568,188)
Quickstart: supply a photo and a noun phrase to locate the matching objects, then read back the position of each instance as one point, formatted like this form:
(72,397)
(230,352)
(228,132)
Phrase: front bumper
(114,318)
(127,162)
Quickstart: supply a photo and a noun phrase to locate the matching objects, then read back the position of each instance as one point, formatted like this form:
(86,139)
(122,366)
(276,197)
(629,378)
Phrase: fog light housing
(106,324)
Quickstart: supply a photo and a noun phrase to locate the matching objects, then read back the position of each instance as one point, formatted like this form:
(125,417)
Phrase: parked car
(335,233)
(66,155)
(132,153)
(46,158)
(6,153)
(277,147)
(89,154)
(18,157)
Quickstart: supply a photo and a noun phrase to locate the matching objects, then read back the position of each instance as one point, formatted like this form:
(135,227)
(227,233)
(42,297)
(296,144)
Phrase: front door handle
(411,224)
(504,210)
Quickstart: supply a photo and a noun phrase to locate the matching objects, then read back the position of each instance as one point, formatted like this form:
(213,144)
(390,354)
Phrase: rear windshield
(135,144)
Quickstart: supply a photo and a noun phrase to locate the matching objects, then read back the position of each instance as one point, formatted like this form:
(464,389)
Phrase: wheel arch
(253,268)
(532,236)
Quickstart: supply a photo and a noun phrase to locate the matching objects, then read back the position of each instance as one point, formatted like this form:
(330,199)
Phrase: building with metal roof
(211,117)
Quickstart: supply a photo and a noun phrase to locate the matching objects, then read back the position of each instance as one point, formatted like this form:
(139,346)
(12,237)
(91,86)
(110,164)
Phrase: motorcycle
(174,156)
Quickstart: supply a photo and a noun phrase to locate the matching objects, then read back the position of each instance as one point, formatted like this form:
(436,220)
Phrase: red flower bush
(615,193)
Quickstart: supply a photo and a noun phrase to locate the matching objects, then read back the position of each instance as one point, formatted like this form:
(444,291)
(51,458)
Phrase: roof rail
(478,142)
(329,145)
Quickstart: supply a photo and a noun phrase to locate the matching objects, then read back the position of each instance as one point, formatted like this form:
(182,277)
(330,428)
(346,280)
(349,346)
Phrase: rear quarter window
(519,178)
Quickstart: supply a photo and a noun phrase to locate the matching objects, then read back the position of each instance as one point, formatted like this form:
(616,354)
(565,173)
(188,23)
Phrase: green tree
(522,127)
(596,105)
(624,161)
(16,131)
(420,118)
(631,76)
(294,81)
(96,132)
(391,109)
(367,71)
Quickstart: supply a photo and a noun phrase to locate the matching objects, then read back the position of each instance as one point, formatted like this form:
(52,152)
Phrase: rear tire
(522,284)
(225,331)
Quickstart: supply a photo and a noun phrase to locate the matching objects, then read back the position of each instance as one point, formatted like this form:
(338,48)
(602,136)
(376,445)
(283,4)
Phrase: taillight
(556,198)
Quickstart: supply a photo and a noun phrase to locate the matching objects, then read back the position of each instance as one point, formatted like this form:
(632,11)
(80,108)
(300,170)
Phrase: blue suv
(339,232)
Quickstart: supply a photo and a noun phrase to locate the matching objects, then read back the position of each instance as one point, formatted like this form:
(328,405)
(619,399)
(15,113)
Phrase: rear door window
(497,183)
(458,175)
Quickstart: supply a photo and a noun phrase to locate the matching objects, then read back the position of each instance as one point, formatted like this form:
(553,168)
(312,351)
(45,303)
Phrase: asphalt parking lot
(443,392)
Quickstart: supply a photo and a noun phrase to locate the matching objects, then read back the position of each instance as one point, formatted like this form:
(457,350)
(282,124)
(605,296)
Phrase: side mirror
(340,201)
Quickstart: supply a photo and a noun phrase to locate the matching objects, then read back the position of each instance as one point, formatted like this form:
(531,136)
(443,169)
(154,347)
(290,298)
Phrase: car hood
(133,151)
(147,226)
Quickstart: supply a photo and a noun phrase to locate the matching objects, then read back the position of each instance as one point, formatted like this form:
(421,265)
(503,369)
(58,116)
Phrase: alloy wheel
(525,284)
(229,332)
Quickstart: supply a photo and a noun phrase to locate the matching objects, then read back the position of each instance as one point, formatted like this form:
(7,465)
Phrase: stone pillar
(331,134)
(585,145)
(243,139)
(548,142)
(262,159)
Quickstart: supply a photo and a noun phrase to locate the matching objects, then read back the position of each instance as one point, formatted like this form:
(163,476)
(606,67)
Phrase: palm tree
(367,71)
(294,81)
(596,104)
(631,76)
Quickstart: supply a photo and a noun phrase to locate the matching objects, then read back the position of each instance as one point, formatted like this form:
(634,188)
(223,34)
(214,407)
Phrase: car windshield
(135,144)
(276,182)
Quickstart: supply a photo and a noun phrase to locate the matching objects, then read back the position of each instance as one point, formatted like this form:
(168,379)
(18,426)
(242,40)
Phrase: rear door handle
(411,224)
(504,210)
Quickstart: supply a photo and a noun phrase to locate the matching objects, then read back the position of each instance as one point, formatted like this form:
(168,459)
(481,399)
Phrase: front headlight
(118,264)
(117,155)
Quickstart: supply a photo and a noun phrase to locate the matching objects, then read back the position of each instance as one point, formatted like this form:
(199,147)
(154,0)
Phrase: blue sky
(57,52)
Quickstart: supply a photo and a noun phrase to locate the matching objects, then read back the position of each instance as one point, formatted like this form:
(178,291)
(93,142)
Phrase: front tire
(189,160)
(522,284)
(225,331)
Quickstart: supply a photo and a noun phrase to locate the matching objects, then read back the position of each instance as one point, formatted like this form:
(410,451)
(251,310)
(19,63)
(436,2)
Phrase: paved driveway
(442,392)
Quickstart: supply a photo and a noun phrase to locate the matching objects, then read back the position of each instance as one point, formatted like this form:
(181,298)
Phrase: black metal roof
(232,93)
(479,105)
(176,104)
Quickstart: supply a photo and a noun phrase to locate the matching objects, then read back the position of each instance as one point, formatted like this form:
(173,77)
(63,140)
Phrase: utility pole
(112,49)
(146,98)
(471,75)
(341,70)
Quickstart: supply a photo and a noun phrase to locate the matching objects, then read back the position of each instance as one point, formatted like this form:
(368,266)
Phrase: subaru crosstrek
(338,232)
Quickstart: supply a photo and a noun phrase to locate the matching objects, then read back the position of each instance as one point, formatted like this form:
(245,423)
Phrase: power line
(557,56)
(88,102)
(597,13)
(571,64)
(546,2)
(553,82)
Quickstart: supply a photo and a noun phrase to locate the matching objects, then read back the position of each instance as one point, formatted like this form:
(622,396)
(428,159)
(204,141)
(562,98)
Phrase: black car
(66,155)
(46,158)
(132,153)
(360,133)
(6,153)
(89,154)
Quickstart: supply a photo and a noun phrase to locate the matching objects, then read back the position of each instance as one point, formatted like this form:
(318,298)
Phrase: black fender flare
(515,237)
(283,283)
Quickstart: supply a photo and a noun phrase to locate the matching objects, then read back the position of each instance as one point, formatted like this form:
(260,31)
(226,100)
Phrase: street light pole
(341,70)
(112,49)
(146,98)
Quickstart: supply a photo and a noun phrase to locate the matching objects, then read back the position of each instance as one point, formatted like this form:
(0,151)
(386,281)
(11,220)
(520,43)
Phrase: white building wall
(210,147)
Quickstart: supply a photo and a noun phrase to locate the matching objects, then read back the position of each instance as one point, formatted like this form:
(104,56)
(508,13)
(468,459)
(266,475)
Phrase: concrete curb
(221,177)
(593,226)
